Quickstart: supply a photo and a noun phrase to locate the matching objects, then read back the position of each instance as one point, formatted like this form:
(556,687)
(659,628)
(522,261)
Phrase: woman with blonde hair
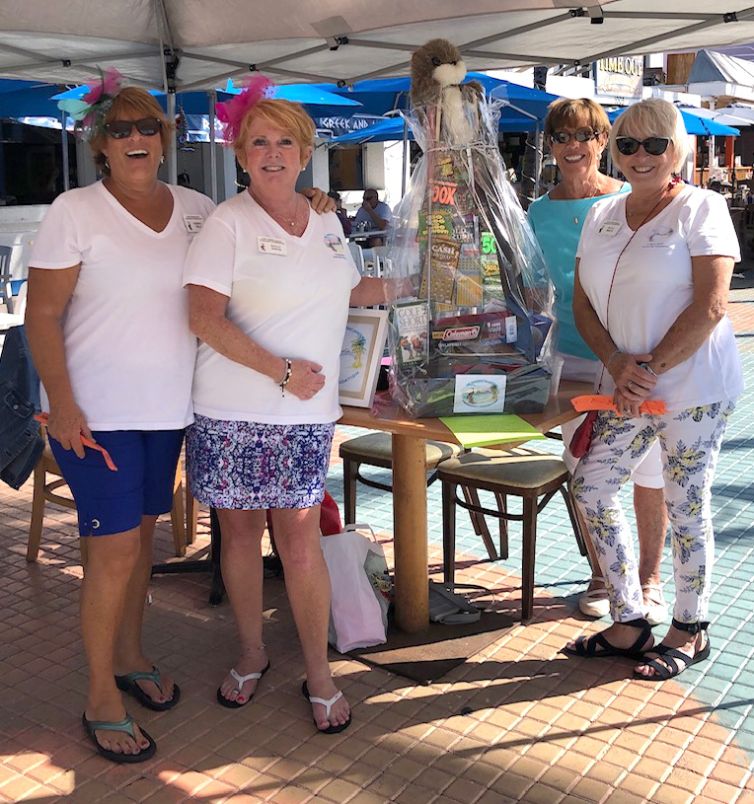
(269,287)
(650,299)
(577,131)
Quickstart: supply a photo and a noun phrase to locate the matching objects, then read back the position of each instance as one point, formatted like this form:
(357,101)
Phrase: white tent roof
(712,66)
(294,40)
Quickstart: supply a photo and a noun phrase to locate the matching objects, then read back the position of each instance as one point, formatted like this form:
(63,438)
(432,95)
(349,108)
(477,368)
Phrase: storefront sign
(619,75)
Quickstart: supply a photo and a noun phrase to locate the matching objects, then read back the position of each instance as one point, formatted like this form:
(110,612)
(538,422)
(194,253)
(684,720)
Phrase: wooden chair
(376,449)
(46,490)
(534,476)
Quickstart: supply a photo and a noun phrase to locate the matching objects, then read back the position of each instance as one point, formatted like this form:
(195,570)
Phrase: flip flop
(127,683)
(328,704)
(240,681)
(126,725)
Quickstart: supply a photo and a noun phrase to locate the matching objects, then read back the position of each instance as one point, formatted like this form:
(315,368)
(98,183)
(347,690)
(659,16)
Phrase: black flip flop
(127,683)
(126,725)
(327,703)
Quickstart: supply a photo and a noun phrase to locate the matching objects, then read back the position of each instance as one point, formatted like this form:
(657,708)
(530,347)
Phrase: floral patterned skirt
(247,465)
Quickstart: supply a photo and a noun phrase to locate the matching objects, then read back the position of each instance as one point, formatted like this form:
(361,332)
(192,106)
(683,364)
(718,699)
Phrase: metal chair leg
(350,475)
(448,532)
(573,515)
(502,504)
(529,536)
(471,495)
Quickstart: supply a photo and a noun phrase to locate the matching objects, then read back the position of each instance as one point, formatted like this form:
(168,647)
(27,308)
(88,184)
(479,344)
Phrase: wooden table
(410,502)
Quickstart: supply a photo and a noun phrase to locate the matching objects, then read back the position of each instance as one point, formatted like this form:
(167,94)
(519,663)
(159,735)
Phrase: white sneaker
(655,608)
(595,602)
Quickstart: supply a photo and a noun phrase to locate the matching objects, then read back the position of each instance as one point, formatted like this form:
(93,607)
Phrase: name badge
(609,228)
(332,241)
(271,245)
(193,223)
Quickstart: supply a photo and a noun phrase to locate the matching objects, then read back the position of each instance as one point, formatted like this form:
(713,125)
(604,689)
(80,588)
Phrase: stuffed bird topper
(437,71)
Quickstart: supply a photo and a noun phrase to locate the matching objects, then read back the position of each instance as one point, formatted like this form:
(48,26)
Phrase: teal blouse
(557,226)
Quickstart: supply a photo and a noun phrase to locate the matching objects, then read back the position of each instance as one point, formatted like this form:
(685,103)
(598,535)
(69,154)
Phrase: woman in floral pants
(652,280)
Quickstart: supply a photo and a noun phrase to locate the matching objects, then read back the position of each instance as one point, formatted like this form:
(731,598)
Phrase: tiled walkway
(539,728)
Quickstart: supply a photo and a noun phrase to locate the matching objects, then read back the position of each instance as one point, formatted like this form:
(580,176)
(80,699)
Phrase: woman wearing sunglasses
(577,131)
(651,289)
(108,324)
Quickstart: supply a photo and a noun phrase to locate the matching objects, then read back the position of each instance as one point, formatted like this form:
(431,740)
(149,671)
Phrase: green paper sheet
(491,428)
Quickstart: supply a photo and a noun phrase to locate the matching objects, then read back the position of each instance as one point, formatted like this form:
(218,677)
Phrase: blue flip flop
(126,725)
(127,683)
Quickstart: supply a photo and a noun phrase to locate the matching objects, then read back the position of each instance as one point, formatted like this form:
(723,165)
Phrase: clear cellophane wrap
(483,300)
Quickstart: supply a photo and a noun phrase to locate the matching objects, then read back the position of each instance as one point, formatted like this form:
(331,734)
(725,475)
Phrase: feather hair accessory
(231,113)
(89,112)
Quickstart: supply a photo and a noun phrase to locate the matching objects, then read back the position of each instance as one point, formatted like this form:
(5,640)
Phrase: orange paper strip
(653,407)
(42,418)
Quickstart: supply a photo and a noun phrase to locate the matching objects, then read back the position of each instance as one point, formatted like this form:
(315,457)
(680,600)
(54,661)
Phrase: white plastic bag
(360,588)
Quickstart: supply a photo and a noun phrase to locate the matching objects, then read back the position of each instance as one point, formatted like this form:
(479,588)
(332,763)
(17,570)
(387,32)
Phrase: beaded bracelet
(287,377)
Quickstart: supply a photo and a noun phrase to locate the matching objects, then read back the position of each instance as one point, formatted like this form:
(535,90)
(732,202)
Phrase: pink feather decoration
(109,84)
(231,113)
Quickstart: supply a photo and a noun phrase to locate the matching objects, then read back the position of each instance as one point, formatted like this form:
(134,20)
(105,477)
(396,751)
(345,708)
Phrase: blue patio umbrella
(392,128)
(316,100)
(700,126)
(28,99)
(190,102)
(382,95)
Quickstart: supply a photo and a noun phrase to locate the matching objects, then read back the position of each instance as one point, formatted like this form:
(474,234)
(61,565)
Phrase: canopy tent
(695,124)
(714,73)
(191,44)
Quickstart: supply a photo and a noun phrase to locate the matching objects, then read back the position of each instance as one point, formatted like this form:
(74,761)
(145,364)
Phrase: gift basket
(468,341)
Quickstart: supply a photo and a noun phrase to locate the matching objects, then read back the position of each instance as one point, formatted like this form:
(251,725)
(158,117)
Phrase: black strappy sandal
(665,668)
(597,646)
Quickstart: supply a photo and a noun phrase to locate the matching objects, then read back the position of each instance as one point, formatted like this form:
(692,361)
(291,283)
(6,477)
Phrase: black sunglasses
(654,146)
(120,129)
(582,135)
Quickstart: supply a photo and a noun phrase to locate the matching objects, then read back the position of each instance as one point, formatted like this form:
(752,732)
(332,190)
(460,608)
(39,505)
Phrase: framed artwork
(361,356)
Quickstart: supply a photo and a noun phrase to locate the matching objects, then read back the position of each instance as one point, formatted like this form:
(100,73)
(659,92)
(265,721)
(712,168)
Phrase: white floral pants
(690,441)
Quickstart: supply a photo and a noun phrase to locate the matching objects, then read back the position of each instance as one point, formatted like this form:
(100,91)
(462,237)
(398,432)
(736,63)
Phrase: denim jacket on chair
(20,441)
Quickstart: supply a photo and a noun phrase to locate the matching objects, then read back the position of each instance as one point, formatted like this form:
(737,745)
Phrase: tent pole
(64,145)
(173,151)
(537,161)
(212,154)
(404,178)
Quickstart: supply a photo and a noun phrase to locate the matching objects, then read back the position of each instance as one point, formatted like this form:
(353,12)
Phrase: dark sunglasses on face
(582,135)
(654,146)
(120,129)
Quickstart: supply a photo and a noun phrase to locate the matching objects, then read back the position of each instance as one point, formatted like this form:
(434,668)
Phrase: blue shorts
(113,502)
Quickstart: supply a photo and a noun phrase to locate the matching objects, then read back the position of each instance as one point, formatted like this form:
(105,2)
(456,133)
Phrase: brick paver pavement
(538,727)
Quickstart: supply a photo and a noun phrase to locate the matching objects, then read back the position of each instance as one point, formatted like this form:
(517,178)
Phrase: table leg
(410,526)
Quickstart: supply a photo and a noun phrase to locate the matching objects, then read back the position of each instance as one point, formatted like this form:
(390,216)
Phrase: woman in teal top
(577,131)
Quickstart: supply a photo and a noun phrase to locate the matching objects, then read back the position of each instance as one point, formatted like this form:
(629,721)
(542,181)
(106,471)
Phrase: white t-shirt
(128,346)
(653,285)
(288,294)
